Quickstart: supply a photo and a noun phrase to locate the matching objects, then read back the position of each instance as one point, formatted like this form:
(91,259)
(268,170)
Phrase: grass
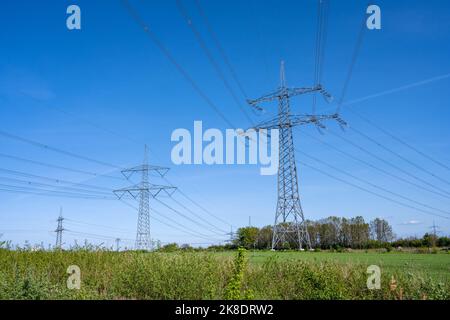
(202,275)
(437,266)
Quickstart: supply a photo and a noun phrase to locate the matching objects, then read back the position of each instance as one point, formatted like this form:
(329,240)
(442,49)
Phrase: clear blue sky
(111,74)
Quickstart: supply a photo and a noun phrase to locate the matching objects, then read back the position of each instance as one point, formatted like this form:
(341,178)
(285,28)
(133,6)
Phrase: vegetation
(338,233)
(184,274)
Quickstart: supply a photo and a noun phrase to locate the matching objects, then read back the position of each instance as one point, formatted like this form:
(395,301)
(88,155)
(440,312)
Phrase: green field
(436,266)
(222,275)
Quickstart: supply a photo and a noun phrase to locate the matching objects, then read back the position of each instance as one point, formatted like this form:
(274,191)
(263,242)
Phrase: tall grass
(187,275)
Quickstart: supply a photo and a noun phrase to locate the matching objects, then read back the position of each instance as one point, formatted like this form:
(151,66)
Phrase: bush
(197,275)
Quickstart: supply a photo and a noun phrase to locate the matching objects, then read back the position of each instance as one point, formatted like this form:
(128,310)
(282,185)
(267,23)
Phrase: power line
(47,192)
(372,184)
(401,141)
(211,59)
(392,175)
(137,18)
(57,150)
(356,50)
(371,192)
(321,35)
(196,215)
(198,205)
(97,236)
(97,225)
(58,167)
(31,183)
(91,123)
(399,155)
(178,226)
(185,216)
(220,48)
(389,163)
(55,180)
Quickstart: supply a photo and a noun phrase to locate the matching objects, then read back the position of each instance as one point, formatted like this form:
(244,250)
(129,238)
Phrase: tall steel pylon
(289,221)
(59,230)
(143,191)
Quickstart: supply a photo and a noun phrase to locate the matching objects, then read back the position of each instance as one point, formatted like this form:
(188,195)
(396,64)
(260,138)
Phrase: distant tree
(359,232)
(381,231)
(429,240)
(246,237)
(170,247)
(443,242)
(264,240)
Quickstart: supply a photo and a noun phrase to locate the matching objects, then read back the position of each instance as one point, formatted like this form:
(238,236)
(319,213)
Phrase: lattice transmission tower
(59,230)
(289,219)
(143,191)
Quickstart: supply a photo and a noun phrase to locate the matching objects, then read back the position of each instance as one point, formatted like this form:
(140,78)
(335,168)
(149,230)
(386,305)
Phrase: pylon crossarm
(266,98)
(269,124)
(298,91)
(308,118)
(292,92)
(160,170)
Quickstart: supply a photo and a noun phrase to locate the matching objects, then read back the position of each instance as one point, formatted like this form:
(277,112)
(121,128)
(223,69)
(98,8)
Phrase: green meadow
(223,275)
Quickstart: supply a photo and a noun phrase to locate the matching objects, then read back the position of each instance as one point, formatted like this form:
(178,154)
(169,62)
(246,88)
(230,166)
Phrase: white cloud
(411,222)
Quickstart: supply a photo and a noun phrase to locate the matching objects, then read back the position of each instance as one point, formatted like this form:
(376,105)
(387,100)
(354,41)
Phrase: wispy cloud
(411,222)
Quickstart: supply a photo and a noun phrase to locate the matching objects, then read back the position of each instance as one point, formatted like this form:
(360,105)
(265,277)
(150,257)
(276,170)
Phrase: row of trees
(336,232)
(428,240)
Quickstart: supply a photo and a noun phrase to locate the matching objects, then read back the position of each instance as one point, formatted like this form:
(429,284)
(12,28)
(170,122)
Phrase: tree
(359,230)
(264,240)
(246,237)
(380,230)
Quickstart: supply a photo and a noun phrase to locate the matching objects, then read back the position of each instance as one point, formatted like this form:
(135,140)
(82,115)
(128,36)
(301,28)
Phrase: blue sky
(53,81)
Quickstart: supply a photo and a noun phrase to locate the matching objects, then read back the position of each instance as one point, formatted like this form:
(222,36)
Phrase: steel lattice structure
(289,221)
(59,230)
(143,191)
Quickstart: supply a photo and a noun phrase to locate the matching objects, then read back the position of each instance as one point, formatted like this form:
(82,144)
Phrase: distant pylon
(144,190)
(117,244)
(289,221)
(59,230)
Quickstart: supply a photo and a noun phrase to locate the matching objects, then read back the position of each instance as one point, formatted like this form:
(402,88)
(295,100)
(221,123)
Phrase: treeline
(428,240)
(334,233)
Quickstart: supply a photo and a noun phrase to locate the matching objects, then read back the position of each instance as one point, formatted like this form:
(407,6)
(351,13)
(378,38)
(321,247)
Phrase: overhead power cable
(433,186)
(398,155)
(54,180)
(96,225)
(387,173)
(57,150)
(321,37)
(39,163)
(211,59)
(373,185)
(354,58)
(50,193)
(220,48)
(148,31)
(399,140)
(196,215)
(38,184)
(187,217)
(371,192)
(177,226)
(180,191)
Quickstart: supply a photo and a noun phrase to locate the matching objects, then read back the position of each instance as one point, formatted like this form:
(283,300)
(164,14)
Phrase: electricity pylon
(59,230)
(143,191)
(117,244)
(289,219)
